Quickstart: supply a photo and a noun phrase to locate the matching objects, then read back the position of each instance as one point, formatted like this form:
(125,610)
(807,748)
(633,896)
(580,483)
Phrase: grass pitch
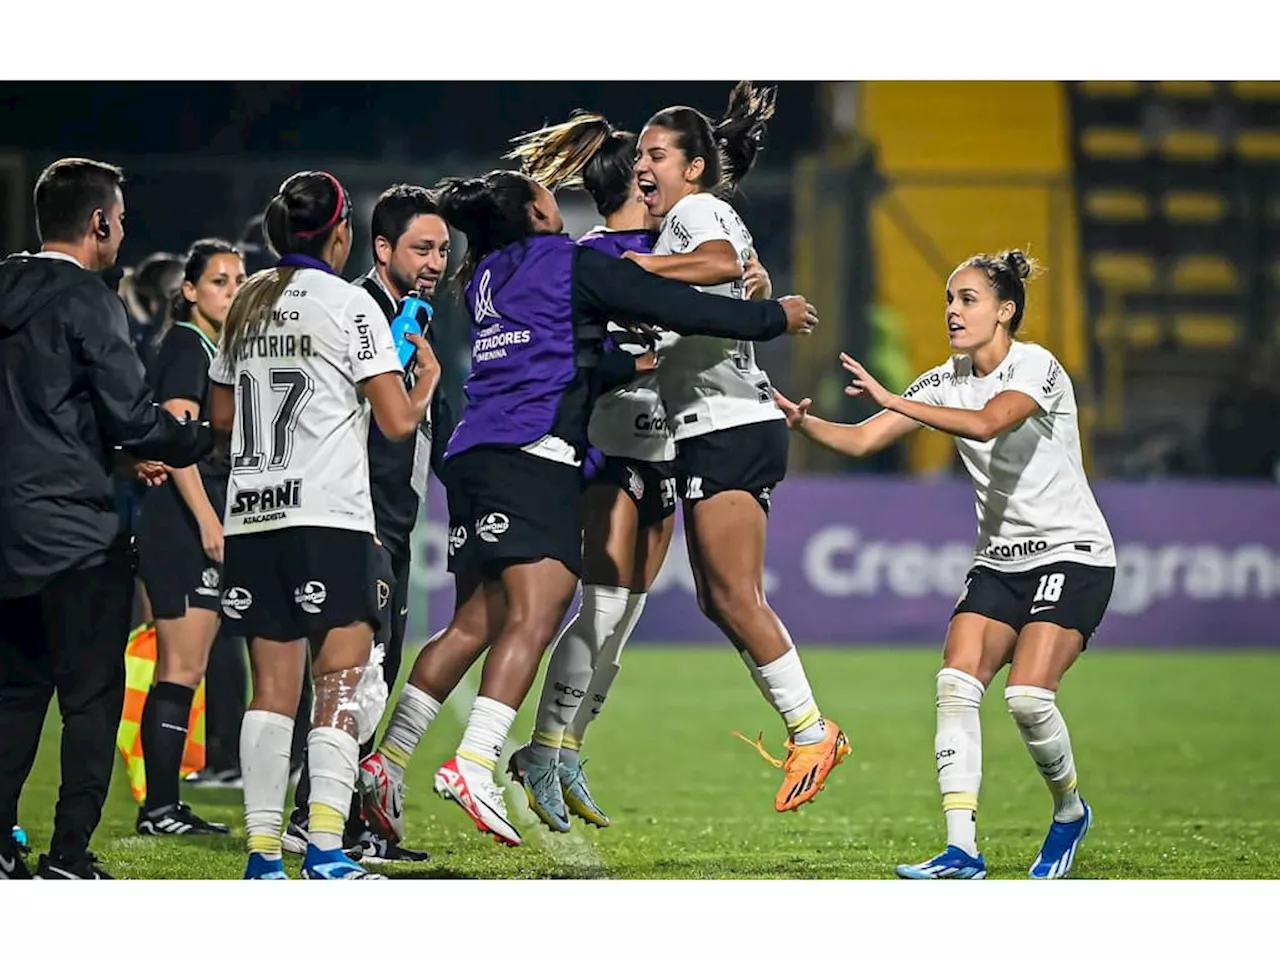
(1171,749)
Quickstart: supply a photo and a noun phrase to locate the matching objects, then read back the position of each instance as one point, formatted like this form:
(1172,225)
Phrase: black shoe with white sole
(177,819)
(374,849)
(12,866)
(86,868)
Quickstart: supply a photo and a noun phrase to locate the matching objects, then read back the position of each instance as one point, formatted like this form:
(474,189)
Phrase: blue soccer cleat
(541,786)
(333,865)
(20,838)
(577,795)
(1058,852)
(951,864)
(264,868)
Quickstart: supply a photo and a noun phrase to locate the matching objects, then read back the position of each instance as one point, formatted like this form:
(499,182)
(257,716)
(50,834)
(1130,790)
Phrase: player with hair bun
(1045,562)
(630,494)
(731,440)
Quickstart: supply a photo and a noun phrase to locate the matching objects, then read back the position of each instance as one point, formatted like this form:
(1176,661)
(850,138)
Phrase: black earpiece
(102,229)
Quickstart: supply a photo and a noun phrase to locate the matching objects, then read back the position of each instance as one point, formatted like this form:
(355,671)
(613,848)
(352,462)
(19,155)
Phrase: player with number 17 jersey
(300,441)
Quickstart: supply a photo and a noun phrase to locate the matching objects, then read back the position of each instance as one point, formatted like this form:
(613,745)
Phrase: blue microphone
(414,317)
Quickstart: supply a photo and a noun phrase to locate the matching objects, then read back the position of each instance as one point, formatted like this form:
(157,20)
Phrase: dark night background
(371,120)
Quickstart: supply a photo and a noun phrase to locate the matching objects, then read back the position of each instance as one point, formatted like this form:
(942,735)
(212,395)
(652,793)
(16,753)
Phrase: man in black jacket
(72,398)
(410,253)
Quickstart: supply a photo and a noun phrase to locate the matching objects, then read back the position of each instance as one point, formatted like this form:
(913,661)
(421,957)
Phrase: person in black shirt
(72,394)
(180,536)
(410,252)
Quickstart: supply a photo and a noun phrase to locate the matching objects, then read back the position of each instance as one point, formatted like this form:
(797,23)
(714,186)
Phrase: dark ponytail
(729,146)
(1008,273)
(740,132)
(490,211)
(298,219)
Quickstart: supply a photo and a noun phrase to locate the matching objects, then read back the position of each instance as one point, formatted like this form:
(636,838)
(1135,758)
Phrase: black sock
(164,738)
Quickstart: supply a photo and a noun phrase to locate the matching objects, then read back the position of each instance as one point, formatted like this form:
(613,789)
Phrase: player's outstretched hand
(802,316)
(796,412)
(864,382)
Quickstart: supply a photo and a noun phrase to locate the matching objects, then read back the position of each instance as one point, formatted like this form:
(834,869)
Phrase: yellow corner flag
(140,669)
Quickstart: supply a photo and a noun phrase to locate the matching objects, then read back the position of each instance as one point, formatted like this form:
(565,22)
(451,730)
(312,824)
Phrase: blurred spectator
(147,290)
(1242,433)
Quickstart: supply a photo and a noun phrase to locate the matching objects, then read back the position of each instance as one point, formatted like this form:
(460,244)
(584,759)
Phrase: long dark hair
(490,211)
(298,219)
(728,146)
(585,150)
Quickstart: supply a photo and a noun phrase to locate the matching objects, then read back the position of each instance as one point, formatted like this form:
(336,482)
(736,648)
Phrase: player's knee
(957,690)
(1029,706)
(352,700)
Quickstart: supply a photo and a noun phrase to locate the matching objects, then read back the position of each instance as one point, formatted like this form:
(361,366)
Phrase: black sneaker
(221,779)
(12,866)
(374,849)
(86,868)
(176,820)
(295,837)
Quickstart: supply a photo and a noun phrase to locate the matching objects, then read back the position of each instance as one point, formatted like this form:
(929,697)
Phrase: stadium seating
(1178,193)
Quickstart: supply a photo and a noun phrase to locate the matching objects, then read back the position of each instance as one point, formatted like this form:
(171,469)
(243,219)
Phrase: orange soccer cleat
(807,765)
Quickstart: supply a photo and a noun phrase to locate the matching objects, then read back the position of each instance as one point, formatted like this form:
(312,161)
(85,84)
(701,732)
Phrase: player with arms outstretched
(1045,562)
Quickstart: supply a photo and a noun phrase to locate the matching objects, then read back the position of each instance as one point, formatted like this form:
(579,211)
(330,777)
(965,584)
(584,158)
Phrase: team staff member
(72,392)
(410,252)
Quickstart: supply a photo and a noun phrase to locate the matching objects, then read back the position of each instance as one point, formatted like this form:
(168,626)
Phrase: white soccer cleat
(481,798)
(383,797)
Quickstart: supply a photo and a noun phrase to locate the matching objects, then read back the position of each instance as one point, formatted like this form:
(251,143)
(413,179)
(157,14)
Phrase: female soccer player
(1045,561)
(629,499)
(731,440)
(539,304)
(301,354)
(180,537)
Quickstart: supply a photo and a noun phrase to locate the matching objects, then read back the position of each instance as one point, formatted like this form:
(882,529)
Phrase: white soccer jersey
(707,383)
(631,421)
(300,443)
(1034,503)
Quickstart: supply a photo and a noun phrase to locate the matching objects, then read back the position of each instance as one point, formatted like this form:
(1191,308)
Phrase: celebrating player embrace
(1045,561)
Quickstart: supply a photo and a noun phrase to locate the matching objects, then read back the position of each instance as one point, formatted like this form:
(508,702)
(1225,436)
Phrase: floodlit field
(1172,751)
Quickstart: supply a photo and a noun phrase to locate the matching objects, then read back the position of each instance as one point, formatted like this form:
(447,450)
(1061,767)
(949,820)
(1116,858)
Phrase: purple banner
(876,561)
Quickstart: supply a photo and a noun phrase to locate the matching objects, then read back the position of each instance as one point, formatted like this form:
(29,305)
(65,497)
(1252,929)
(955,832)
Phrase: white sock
(789,692)
(958,753)
(608,663)
(485,736)
(334,758)
(409,721)
(754,669)
(600,614)
(1043,730)
(265,742)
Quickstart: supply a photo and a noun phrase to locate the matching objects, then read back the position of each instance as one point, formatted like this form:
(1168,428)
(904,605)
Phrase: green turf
(1172,750)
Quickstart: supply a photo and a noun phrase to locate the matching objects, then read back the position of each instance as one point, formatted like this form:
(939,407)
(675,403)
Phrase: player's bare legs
(726,549)
(538,595)
(439,668)
(1045,652)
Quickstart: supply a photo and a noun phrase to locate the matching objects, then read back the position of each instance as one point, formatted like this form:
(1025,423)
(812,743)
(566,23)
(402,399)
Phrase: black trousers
(391,638)
(69,638)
